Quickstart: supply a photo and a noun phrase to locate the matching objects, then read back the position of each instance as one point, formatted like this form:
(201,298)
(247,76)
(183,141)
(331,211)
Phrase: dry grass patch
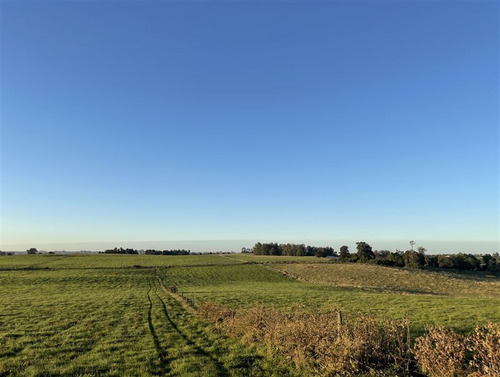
(444,353)
(389,279)
(322,344)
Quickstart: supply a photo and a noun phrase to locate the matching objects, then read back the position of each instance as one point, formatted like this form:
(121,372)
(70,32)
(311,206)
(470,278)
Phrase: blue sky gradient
(131,121)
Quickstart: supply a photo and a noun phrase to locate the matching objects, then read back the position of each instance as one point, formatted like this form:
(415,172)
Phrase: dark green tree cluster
(167,252)
(291,249)
(412,259)
(120,250)
(418,259)
(320,251)
(32,251)
(344,252)
(462,261)
(298,250)
(491,262)
(266,249)
(365,252)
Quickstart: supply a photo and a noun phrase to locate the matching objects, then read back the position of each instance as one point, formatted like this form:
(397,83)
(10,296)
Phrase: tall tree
(365,252)
(421,250)
(413,259)
(344,252)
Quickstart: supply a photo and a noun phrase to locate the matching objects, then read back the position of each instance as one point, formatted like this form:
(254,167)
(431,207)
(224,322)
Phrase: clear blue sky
(132,121)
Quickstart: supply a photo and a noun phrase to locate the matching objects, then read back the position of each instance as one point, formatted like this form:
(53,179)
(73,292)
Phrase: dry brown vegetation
(323,343)
(444,353)
(390,279)
(328,345)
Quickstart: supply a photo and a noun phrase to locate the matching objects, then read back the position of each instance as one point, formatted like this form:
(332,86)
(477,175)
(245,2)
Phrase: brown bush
(329,345)
(441,352)
(484,344)
(322,342)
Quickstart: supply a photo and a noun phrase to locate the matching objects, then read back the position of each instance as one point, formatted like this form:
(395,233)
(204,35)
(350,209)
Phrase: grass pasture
(113,322)
(239,286)
(397,280)
(96,261)
(91,315)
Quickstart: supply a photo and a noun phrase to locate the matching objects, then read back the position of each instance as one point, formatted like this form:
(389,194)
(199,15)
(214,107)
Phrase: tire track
(219,366)
(162,353)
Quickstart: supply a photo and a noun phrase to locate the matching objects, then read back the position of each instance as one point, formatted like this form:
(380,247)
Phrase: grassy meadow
(274,286)
(95,261)
(91,315)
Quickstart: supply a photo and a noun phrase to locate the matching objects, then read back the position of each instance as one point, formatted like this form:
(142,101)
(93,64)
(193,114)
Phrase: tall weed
(322,342)
(444,353)
(329,345)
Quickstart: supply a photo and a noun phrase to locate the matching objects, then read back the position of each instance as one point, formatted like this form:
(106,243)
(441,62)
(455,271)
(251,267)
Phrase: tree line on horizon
(121,250)
(365,254)
(291,249)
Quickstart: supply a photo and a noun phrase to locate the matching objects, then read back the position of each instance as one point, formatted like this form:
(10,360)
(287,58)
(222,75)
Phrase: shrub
(484,343)
(441,352)
(324,343)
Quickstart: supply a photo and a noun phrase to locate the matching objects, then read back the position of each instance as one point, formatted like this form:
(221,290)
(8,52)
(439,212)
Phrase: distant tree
(274,249)
(258,249)
(421,250)
(176,252)
(381,253)
(431,261)
(310,250)
(245,250)
(465,261)
(490,262)
(32,251)
(412,243)
(365,252)
(395,259)
(445,261)
(323,252)
(121,250)
(266,249)
(300,250)
(344,252)
(353,258)
(381,257)
(413,259)
(293,249)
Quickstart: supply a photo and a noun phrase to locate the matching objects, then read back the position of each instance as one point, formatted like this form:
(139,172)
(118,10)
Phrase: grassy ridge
(397,280)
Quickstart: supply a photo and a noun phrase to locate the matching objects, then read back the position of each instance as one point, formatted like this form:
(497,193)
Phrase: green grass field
(115,322)
(248,285)
(92,315)
(110,261)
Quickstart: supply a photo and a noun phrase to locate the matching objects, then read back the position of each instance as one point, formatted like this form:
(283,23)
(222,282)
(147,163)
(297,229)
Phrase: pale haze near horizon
(204,246)
(329,121)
